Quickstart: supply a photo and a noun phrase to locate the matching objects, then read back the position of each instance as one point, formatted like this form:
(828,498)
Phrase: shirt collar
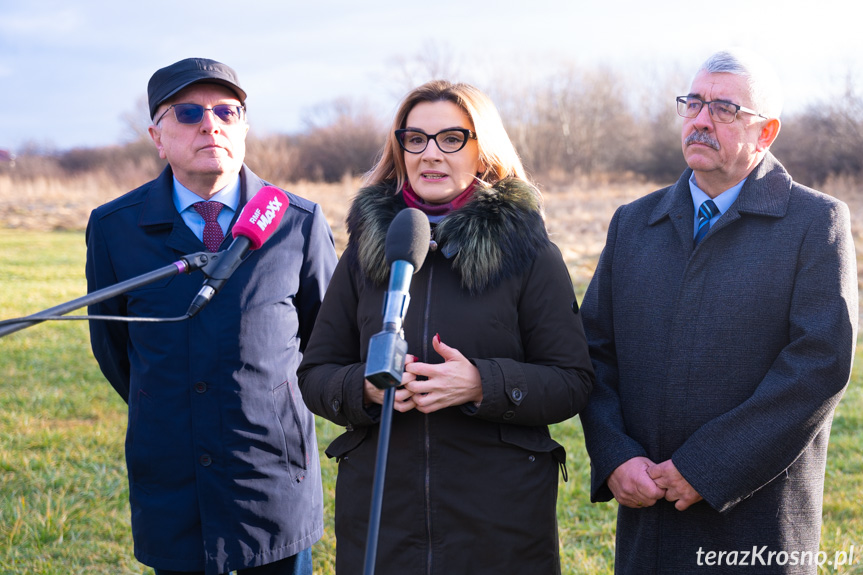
(723,201)
(229,195)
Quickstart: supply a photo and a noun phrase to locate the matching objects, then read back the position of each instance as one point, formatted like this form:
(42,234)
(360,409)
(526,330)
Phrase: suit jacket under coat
(221,451)
(729,359)
(467,490)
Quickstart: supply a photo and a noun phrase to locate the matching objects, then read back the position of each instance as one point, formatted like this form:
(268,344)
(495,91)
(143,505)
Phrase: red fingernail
(437,337)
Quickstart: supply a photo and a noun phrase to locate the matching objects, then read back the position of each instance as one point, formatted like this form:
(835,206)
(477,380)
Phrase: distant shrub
(575,123)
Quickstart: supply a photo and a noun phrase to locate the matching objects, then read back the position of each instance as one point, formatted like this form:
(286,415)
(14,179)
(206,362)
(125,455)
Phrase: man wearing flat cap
(221,452)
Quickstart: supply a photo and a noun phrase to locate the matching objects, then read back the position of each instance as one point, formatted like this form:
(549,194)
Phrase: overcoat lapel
(676,205)
(766,192)
(159,212)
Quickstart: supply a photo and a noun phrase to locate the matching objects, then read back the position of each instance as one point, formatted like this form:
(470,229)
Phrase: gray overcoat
(729,359)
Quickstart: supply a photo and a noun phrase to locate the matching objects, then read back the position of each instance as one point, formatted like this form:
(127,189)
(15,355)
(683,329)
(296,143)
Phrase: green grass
(63,492)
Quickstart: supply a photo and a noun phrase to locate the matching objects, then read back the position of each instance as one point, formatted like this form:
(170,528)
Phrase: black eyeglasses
(194,113)
(448,141)
(721,111)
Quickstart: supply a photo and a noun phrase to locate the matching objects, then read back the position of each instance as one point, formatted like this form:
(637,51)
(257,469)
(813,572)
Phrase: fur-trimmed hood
(492,237)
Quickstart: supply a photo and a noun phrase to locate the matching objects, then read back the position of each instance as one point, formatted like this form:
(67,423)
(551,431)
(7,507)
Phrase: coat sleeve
(331,374)
(737,453)
(108,339)
(605,436)
(319,262)
(553,382)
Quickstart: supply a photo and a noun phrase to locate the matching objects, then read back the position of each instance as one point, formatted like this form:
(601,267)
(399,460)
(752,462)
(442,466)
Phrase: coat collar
(158,210)
(496,235)
(766,192)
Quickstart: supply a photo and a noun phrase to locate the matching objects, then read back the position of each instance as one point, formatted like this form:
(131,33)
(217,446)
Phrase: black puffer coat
(468,490)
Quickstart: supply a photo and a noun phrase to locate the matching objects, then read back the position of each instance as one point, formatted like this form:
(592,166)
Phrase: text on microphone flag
(265,211)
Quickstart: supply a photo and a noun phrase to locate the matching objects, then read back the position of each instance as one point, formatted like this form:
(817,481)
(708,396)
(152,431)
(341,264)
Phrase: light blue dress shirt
(723,201)
(184,198)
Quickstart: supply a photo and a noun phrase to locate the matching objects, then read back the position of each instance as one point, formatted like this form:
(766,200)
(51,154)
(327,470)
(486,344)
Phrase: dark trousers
(299,564)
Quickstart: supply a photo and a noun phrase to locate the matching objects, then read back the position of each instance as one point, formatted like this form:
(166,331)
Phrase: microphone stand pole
(385,361)
(378,487)
(186,264)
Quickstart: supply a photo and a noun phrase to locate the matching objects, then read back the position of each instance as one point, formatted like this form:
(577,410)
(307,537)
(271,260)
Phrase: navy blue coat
(220,448)
(729,359)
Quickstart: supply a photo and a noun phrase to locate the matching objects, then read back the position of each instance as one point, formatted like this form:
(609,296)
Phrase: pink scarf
(414,201)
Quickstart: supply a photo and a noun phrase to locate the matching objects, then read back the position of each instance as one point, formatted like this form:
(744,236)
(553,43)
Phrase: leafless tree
(826,139)
(432,61)
(573,122)
(342,137)
(137,121)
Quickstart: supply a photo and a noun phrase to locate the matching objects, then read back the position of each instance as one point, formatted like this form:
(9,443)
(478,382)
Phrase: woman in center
(496,353)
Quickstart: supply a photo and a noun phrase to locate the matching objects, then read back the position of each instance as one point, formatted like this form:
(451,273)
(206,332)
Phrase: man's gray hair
(764,87)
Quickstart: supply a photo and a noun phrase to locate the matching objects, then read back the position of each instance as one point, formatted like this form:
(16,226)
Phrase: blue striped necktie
(707,210)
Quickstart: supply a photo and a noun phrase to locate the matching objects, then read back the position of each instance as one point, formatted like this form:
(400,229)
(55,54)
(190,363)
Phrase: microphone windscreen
(261,216)
(408,238)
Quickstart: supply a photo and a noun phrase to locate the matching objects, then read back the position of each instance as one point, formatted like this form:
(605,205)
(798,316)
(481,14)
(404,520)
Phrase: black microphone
(406,248)
(257,222)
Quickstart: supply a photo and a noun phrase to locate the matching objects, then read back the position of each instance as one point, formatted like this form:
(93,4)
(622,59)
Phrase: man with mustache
(721,319)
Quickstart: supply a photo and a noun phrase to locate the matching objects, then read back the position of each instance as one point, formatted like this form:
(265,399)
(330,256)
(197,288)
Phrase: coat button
(517,395)
(509,415)
(337,405)
(206,460)
(531,458)
(201,386)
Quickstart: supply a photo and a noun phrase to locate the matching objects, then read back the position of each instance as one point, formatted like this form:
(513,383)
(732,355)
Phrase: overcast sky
(71,72)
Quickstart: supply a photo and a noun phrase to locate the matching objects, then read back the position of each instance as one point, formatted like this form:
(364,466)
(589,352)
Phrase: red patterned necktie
(213,234)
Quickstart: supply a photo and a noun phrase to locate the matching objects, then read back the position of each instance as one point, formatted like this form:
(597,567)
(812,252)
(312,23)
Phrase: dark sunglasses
(194,113)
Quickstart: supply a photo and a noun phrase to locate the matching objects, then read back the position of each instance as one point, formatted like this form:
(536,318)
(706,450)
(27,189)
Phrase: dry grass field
(577,212)
(64,497)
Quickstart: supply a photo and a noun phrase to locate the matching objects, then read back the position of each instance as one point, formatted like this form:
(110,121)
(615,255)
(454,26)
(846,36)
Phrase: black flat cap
(171,79)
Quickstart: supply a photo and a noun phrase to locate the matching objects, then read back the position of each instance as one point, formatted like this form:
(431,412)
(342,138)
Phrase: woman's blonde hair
(496,152)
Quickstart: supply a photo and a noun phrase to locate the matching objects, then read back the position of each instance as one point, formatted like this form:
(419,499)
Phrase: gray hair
(764,87)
